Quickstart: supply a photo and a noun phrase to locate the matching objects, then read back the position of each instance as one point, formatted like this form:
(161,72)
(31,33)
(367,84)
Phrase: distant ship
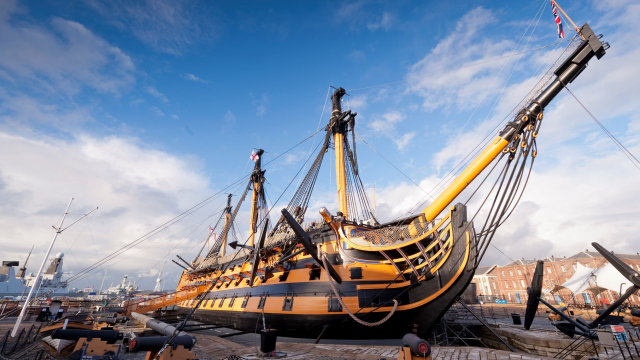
(125,287)
(19,284)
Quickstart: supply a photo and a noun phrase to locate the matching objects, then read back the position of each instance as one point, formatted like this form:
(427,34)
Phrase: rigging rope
(395,167)
(622,148)
(447,179)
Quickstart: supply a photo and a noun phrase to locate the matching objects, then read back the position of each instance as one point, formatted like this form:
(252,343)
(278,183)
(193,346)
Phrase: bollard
(268,338)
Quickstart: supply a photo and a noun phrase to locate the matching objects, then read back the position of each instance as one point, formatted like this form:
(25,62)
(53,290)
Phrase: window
(506,285)
(522,283)
(546,283)
(509,295)
(549,270)
(245,301)
(519,272)
(562,268)
(553,282)
(514,283)
(263,299)
(510,272)
(494,286)
(502,272)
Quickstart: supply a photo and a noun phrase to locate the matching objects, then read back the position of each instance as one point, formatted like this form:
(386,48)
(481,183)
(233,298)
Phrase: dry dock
(212,347)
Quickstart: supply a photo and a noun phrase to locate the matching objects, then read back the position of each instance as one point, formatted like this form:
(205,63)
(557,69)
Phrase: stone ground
(214,348)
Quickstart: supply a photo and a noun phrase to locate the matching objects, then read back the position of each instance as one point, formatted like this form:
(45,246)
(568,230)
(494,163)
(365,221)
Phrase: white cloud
(64,57)
(157,111)
(357,55)
(136,188)
(358,102)
(136,101)
(194,78)
(171,27)
(441,77)
(382,22)
(229,117)
(403,141)
(22,112)
(175,116)
(386,126)
(154,92)
(261,104)
(148,273)
(292,158)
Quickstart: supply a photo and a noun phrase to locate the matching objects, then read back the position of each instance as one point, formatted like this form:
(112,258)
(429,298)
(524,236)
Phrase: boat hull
(421,307)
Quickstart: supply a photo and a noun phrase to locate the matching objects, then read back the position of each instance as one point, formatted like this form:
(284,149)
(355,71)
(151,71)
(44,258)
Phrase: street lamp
(620,294)
(594,278)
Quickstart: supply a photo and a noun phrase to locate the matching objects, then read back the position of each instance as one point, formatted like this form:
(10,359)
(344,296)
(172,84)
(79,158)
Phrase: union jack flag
(558,21)
(254,156)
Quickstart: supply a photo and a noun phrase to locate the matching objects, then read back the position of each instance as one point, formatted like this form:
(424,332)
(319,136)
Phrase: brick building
(487,283)
(513,278)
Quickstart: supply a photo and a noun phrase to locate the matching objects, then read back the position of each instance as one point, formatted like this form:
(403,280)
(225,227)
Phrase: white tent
(607,277)
(579,281)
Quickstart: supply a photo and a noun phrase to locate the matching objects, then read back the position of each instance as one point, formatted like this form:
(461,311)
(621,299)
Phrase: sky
(146,108)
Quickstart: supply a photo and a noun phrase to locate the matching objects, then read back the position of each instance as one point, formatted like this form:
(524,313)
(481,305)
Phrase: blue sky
(145,108)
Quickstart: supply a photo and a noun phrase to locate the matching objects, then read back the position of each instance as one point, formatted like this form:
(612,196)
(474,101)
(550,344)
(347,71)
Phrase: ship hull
(421,307)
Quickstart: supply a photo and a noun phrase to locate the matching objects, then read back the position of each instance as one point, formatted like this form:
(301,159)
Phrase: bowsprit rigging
(399,273)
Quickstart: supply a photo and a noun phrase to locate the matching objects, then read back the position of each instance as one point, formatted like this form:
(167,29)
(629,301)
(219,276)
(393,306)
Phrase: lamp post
(620,294)
(595,281)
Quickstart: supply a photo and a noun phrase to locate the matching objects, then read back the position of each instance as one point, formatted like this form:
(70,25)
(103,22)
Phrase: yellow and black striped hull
(300,307)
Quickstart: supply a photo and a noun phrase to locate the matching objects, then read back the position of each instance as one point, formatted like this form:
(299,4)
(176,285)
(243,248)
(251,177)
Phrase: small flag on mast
(254,156)
(554,8)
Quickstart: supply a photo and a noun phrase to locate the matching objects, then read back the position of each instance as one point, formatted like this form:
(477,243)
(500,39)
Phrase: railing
(400,235)
(7,346)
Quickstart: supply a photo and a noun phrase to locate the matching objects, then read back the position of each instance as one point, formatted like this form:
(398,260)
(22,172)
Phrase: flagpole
(568,18)
(36,281)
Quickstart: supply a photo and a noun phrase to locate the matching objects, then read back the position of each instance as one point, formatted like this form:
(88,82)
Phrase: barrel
(110,336)
(268,339)
(155,343)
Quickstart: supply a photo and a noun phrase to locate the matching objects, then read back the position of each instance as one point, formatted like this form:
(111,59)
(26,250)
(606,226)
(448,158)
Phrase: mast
(227,214)
(257,177)
(104,277)
(22,271)
(528,116)
(339,129)
(36,281)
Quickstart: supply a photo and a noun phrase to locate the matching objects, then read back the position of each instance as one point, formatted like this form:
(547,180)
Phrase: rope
(622,148)
(395,167)
(335,291)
